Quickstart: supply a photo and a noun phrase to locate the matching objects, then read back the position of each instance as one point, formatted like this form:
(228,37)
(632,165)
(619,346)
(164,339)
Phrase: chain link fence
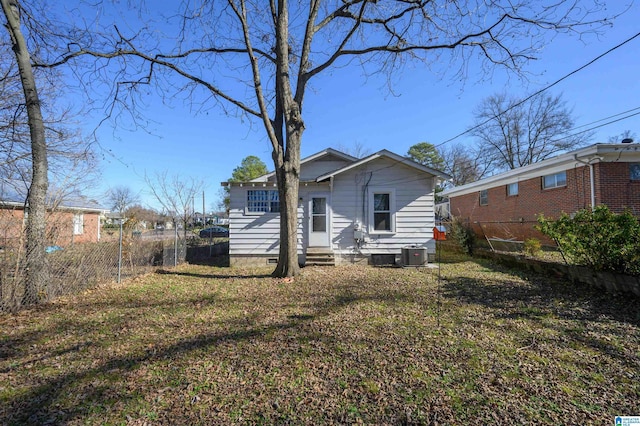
(502,236)
(80,266)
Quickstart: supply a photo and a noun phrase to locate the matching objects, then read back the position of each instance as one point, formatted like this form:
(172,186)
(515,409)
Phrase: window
(78,224)
(484,197)
(512,189)
(382,214)
(263,201)
(554,181)
(634,171)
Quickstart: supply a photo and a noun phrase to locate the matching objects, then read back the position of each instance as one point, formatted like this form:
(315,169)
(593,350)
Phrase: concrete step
(320,256)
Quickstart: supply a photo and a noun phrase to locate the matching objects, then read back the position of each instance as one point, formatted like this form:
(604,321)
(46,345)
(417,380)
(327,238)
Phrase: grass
(207,345)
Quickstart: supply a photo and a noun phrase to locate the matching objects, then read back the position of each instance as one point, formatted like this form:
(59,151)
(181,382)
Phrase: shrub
(462,234)
(531,247)
(599,239)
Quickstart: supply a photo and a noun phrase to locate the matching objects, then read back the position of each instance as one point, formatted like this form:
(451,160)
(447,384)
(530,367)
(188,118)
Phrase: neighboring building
(507,205)
(349,210)
(73,220)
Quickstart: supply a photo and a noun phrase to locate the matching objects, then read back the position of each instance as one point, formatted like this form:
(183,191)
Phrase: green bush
(599,239)
(531,247)
(462,233)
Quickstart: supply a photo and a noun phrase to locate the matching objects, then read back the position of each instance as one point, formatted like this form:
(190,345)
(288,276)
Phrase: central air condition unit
(414,256)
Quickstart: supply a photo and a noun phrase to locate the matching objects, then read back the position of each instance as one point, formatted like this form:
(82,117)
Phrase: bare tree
(259,58)
(512,133)
(176,195)
(37,271)
(121,198)
(627,134)
(463,164)
(357,149)
(72,164)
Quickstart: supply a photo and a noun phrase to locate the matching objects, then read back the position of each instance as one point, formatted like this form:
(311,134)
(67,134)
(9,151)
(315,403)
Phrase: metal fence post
(175,247)
(120,251)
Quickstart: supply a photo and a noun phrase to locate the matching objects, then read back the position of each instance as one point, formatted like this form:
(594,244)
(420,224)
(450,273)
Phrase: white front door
(319,221)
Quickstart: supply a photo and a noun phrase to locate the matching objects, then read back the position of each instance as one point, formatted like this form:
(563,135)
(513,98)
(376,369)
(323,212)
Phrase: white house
(349,210)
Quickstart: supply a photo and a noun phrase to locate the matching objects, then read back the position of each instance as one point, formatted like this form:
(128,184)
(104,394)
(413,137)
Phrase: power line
(611,116)
(541,90)
(598,126)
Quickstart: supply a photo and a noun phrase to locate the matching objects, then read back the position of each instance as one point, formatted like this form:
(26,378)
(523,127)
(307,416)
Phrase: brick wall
(615,188)
(59,227)
(513,217)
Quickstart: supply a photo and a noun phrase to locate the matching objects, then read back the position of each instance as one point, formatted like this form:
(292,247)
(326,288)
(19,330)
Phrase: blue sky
(343,108)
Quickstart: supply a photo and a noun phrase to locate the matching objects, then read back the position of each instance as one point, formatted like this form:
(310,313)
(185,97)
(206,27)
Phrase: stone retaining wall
(608,281)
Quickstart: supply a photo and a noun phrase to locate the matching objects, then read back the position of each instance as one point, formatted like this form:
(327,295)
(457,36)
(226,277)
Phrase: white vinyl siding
(414,216)
(349,202)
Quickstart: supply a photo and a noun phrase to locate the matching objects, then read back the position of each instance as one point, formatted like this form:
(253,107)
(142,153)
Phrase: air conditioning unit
(414,256)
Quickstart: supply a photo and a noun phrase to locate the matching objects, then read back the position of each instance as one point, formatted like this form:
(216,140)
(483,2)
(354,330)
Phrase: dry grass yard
(345,345)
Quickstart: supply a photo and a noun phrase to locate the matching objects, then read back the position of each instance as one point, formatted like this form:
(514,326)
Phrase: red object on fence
(440,233)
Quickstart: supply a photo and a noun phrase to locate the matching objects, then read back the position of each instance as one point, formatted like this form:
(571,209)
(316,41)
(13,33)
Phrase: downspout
(591,178)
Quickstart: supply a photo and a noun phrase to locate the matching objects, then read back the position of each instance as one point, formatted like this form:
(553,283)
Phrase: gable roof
(588,155)
(329,152)
(353,163)
(390,155)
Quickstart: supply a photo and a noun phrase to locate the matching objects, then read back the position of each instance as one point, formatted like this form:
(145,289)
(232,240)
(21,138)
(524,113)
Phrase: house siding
(320,167)
(414,210)
(254,239)
(258,235)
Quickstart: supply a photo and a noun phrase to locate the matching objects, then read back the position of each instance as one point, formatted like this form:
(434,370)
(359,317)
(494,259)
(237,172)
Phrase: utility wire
(611,116)
(540,91)
(596,127)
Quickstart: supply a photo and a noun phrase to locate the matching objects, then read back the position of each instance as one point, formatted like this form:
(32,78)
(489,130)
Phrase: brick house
(507,205)
(73,220)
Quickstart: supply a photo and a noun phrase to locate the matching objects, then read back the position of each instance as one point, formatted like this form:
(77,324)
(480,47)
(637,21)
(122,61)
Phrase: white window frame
(483,194)
(392,210)
(78,224)
(269,201)
(510,189)
(555,180)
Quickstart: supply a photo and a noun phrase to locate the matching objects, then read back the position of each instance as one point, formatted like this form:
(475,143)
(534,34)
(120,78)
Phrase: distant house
(75,219)
(349,210)
(507,205)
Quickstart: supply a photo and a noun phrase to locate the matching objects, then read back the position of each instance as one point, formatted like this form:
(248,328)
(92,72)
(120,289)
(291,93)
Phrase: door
(319,221)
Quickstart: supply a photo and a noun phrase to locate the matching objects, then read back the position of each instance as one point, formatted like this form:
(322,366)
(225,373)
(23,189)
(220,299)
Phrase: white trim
(247,212)
(78,223)
(621,153)
(328,216)
(392,209)
(323,153)
(390,155)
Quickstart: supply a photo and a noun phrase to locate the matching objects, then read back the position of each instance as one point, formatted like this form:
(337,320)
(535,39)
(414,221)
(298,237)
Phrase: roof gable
(390,155)
(327,156)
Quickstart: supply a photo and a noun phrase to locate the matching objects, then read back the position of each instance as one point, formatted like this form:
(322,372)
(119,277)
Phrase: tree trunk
(36,262)
(288,177)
